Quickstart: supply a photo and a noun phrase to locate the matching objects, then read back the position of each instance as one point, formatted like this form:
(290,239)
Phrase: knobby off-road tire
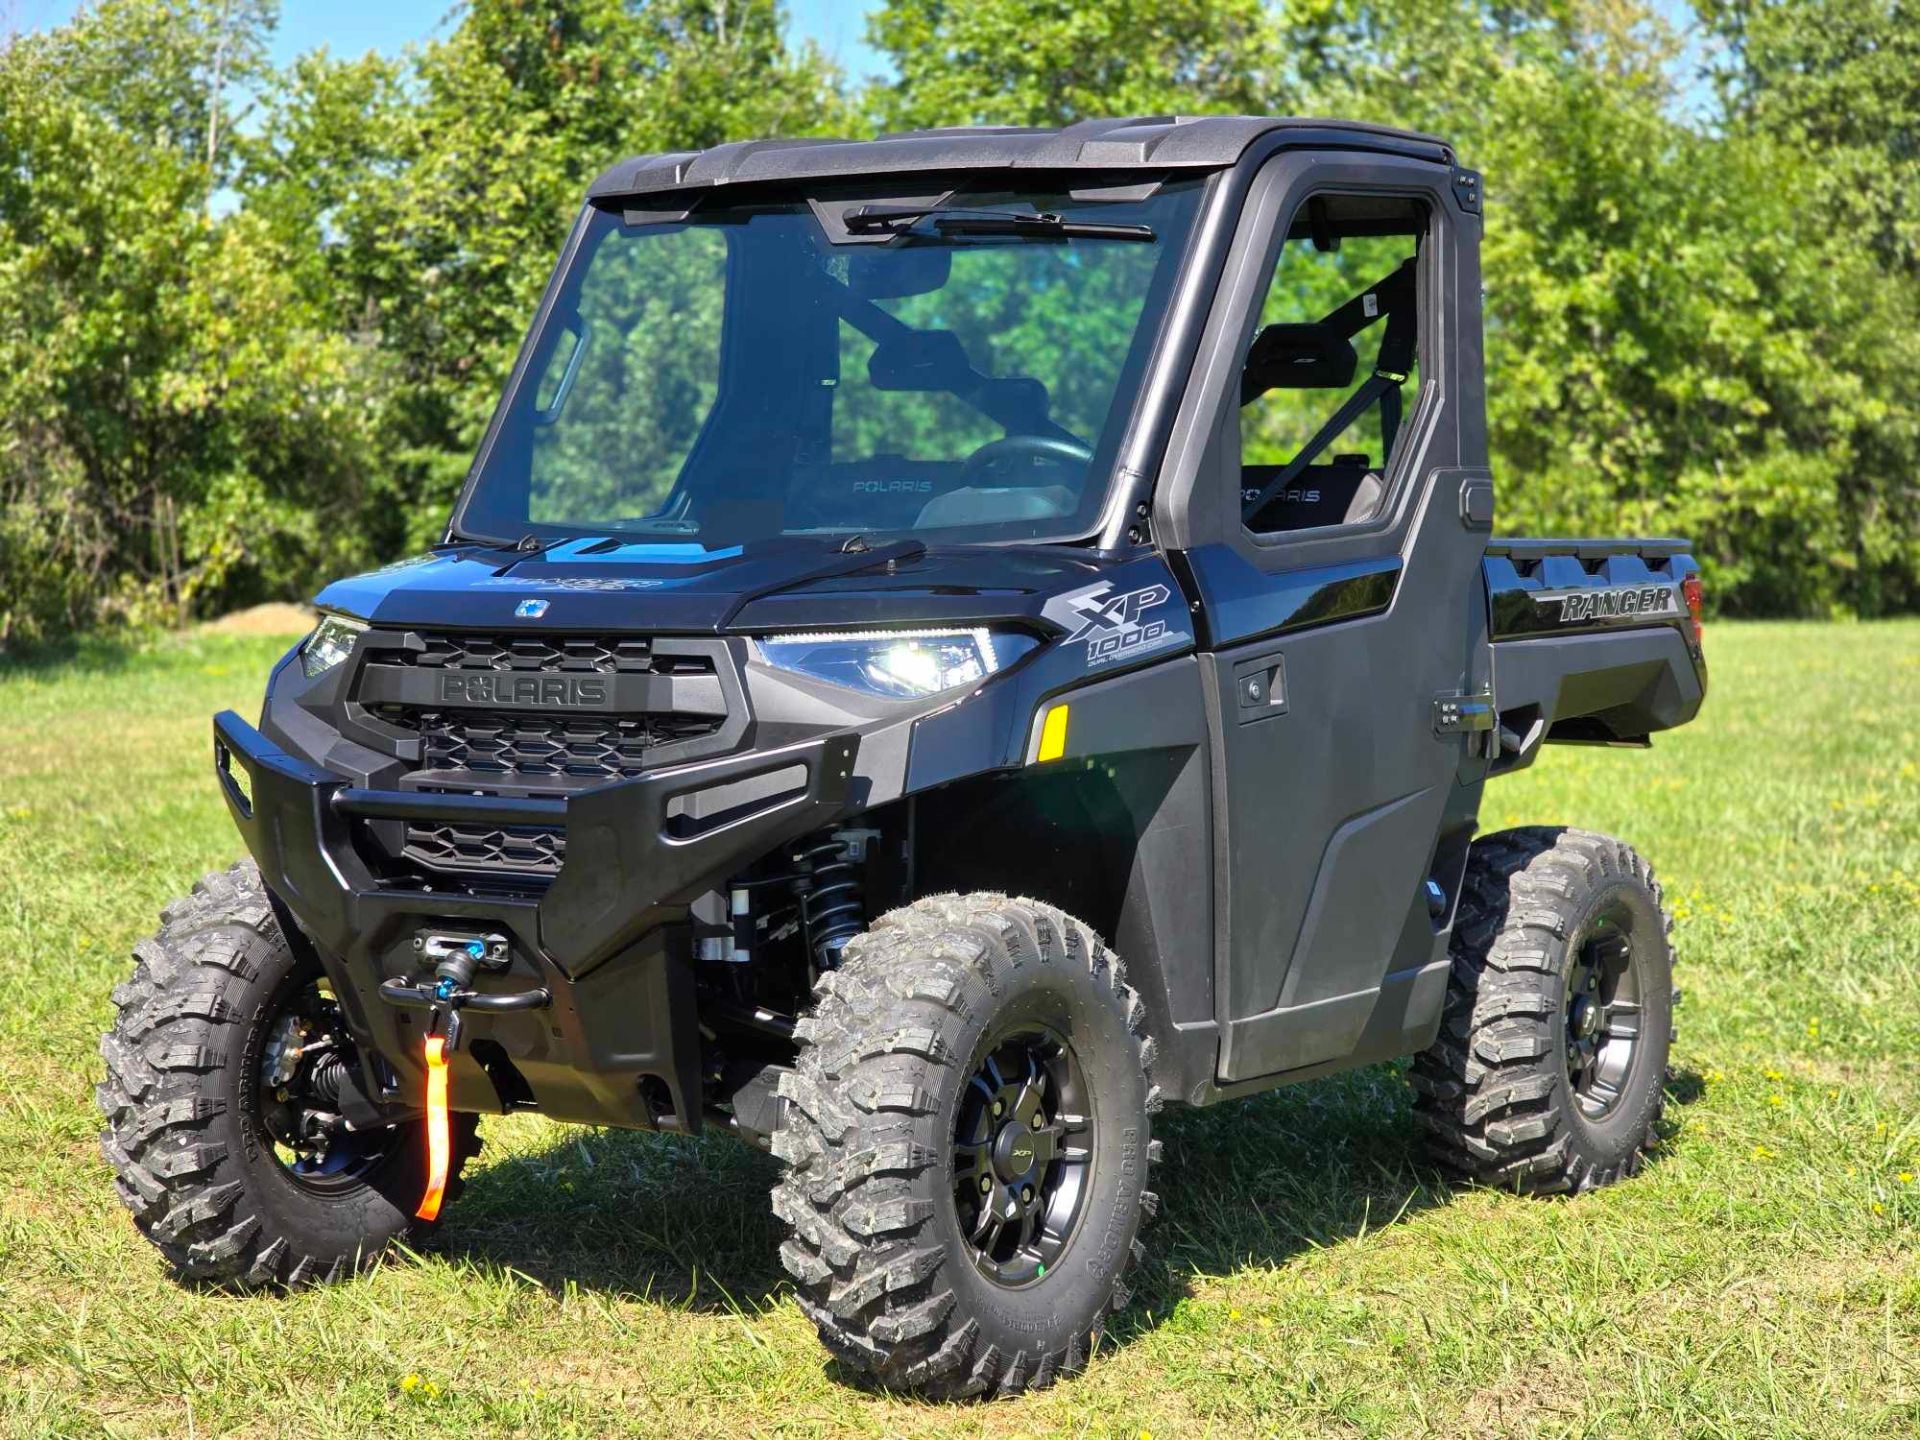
(876,1137)
(191,1154)
(1513,1093)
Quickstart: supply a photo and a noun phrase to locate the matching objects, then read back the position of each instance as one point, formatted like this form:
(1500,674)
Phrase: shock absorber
(832,906)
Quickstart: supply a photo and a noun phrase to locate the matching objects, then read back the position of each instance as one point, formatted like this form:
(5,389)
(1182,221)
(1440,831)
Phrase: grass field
(1305,1275)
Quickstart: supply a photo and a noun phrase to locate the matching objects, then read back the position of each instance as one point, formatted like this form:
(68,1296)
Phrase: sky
(350,27)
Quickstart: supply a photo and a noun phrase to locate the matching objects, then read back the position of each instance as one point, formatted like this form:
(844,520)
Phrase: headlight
(898,664)
(332,642)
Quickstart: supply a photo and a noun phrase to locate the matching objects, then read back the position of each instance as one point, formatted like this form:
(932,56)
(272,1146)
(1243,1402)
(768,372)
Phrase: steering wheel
(1059,449)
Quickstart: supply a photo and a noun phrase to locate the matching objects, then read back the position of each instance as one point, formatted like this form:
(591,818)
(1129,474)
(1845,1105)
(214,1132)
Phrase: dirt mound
(278,618)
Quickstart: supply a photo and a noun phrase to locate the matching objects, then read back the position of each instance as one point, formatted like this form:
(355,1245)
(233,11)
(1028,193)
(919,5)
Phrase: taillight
(1696,603)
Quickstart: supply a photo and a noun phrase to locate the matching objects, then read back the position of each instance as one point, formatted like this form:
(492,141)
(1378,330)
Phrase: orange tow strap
(439,1145)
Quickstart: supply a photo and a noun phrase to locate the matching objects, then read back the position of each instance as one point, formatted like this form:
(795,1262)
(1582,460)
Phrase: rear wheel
(967,1137)
(1549,1071)
(220,1099)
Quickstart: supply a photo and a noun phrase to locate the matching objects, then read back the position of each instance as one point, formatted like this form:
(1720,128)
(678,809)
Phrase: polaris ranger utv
(871,534)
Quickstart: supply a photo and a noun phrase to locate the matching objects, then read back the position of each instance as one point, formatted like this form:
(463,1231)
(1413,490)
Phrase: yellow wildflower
(1761,1152)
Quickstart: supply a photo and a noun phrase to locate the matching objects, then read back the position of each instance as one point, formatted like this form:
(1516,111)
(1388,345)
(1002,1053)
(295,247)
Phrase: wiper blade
(905,220)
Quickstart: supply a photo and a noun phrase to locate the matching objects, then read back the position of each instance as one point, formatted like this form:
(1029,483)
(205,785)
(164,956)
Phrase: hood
(608,584)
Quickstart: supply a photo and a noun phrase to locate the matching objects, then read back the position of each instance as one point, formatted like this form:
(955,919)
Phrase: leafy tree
(1838,88)
(164,395)
(1049,62)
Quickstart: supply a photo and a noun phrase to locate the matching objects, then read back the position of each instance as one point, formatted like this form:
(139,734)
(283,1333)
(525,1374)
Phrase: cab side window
(1333,369)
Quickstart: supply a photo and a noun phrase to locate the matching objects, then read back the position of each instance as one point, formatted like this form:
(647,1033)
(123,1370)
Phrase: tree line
(253,318)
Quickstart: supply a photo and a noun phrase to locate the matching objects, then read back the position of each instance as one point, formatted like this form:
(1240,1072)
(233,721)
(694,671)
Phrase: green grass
(1305,1275)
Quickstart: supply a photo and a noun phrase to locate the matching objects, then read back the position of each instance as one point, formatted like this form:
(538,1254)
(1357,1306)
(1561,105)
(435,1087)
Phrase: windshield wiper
(905,220)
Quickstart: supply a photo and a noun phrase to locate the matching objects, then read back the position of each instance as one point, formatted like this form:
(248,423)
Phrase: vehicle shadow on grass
(1256,1182)
(656,1217)
(686,1222)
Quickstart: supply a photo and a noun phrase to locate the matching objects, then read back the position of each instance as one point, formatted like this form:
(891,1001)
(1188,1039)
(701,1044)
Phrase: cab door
(1327,499)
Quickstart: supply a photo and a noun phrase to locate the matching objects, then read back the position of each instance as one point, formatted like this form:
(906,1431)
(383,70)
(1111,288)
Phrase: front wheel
(967,1134)
(1549,1071)
(221,1104)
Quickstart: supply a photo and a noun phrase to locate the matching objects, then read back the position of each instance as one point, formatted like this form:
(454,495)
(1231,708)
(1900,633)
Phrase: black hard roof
(1158,142)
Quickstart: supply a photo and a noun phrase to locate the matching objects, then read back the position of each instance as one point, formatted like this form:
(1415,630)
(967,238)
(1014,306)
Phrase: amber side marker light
(1696,599)
(1053,735)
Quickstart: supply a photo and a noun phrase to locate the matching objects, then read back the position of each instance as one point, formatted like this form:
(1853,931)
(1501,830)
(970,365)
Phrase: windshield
(738,375)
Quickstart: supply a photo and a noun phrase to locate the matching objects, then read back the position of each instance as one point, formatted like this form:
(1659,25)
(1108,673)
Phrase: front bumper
(618,1041)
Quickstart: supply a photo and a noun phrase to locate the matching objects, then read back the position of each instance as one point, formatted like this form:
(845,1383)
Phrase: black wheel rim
(303,1053)
(1603,1013)
(1023,1155)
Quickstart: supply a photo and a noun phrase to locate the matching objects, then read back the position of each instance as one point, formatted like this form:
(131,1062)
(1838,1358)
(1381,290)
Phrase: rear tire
(192,1152)
(1549,1071)
(967,1134)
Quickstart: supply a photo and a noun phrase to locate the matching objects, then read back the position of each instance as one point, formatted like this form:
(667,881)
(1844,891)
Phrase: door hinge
(1466,189)
(1458,714)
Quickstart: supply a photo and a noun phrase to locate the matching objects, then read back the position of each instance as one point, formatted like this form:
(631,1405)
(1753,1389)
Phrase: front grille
(524,748)
(509,849)
(534,751)
(549,654)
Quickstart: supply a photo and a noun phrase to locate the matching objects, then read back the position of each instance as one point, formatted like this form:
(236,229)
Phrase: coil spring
(831,903)
(327,1078)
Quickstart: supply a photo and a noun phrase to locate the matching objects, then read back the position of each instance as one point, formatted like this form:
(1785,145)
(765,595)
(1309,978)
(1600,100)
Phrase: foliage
(254,320)
(167,397)
(1050,62)
(1838,85)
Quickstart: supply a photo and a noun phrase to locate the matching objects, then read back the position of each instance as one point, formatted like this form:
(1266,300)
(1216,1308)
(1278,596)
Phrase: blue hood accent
(651,552)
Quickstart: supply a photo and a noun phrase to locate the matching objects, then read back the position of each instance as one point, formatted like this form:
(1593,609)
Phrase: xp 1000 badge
(1115,625)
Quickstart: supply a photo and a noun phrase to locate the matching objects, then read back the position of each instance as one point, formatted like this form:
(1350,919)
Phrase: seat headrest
(1308,356)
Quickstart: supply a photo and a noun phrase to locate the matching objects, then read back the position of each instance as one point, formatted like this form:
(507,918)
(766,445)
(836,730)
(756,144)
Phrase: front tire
(967,1134)
(212,1146)
(1549,1072)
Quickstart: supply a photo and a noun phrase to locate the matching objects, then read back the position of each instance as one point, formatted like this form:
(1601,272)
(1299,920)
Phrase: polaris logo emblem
(892,487)
(1113,626)
(530,609)
(1617,603)
(545,692)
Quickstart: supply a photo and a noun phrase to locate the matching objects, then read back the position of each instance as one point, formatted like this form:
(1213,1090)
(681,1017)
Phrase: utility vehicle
(950,644)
